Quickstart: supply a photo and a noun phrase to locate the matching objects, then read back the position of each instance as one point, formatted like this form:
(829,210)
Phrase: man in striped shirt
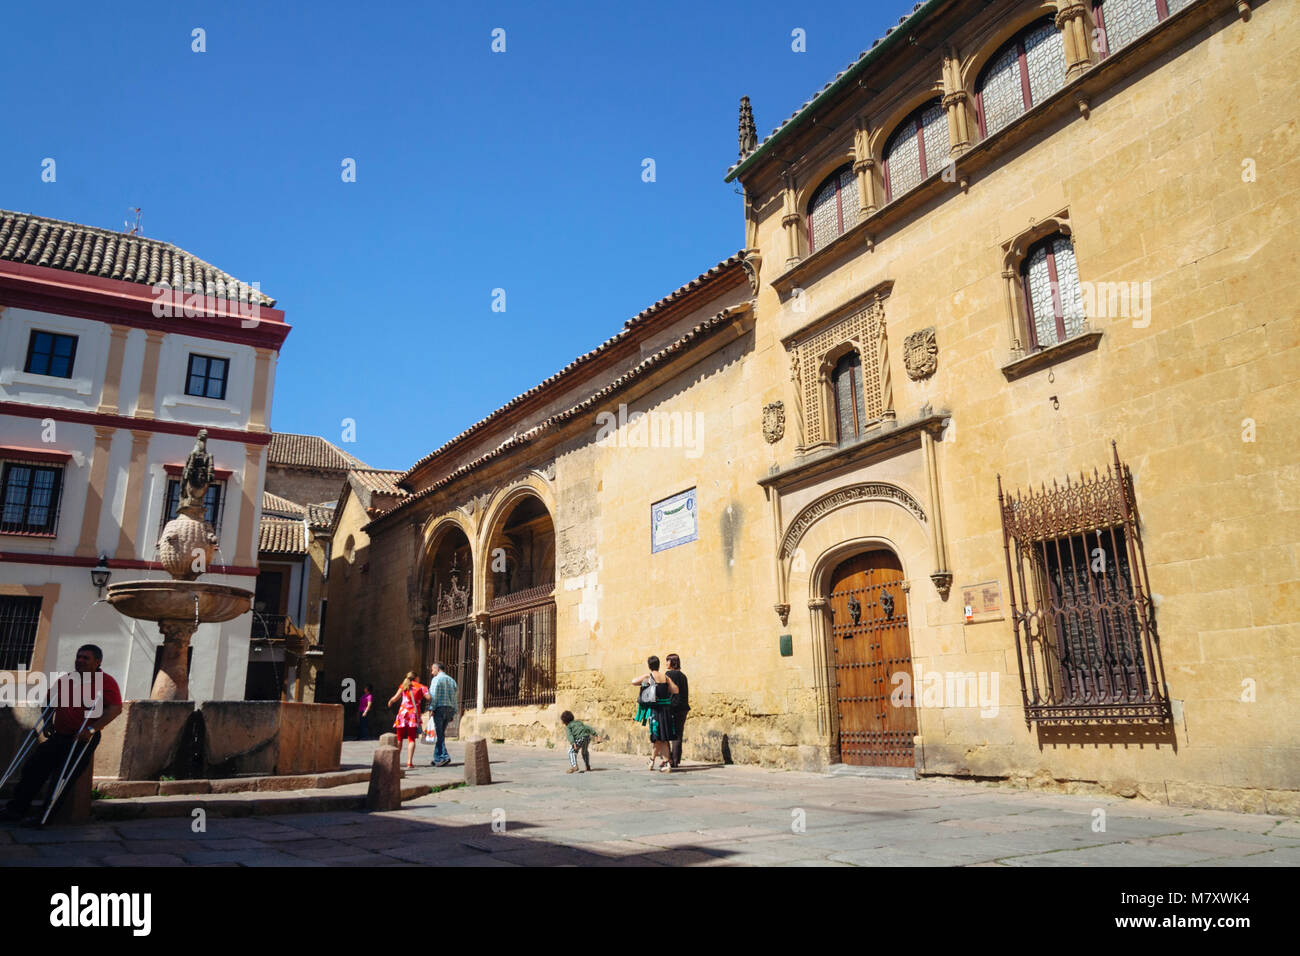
(443,694)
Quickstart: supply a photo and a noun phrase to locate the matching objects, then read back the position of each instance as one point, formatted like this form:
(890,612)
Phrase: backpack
(649,693)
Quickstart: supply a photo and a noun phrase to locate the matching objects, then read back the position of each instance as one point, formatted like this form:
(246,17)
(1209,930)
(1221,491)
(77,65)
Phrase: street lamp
(100,574)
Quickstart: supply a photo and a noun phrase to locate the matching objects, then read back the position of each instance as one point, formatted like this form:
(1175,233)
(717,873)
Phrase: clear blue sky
(475,171)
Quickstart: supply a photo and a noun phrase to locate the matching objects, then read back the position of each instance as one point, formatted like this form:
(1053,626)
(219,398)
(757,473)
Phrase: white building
(105,379)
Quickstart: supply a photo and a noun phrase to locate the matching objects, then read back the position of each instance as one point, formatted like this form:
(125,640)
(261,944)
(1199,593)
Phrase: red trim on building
(175,470)
(24,410)
(35,454)
(44,289)
(72,561)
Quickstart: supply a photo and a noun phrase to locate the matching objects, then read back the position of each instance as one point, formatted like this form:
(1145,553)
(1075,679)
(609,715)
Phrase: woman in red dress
(407,725)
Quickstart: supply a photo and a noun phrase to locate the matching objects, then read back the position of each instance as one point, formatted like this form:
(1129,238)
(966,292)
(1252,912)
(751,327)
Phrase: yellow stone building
(979,458)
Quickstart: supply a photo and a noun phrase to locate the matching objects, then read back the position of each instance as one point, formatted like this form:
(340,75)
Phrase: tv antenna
(133,230)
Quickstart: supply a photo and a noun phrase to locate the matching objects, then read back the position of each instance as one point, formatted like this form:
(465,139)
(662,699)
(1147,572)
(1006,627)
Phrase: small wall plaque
(982,602)
(787,645)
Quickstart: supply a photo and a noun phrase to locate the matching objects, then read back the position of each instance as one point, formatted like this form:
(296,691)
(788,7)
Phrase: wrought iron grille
(19,618)
(452,598)
(521,653)
(31,496)
(456,648)
(1085,628)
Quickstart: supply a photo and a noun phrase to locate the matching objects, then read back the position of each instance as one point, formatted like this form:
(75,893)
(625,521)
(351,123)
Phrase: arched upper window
(850,398)
(918,148)
(1030,68)
(833,208)
(1120,22)
(1053,300)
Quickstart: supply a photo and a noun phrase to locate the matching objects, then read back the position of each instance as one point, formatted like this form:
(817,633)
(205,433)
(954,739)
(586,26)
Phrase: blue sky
(474,171)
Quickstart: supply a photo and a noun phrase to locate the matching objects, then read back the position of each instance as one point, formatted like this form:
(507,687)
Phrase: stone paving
(621,814)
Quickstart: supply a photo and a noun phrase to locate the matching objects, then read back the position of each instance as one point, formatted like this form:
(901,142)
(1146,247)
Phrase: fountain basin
(175,600)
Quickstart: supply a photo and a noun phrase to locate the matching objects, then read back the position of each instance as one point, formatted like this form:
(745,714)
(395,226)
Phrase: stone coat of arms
(773,422)
(921,354)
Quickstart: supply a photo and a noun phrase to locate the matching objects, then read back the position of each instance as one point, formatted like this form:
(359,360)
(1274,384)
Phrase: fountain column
(173,680)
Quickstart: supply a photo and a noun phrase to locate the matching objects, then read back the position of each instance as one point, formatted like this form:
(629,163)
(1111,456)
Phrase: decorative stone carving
(846,496)
(783,612)
(752,263)
(942,583)
(773,422)
(549,472)
(921,354)
(748,132)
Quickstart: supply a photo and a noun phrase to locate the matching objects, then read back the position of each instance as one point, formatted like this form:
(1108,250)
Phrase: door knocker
(887,604)
(855,609)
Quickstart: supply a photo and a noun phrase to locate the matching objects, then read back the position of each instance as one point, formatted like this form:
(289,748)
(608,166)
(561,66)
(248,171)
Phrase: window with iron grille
(833,209)
(1085,628)
(31,495)
(19,619)
(1120,22)
(1026,71)
(917,148)
(49,353)
(212,503)
(850,399)
(1053,298)
(207,376)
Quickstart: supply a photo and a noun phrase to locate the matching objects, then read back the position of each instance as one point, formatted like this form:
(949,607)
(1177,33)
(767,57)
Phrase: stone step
(114,789)
(351,796)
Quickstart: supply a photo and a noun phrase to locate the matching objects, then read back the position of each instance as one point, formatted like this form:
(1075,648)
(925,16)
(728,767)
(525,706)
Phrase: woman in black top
(661,713)
(681,705)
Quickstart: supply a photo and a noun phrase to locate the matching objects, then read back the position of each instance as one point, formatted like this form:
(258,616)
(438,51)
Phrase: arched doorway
(870,648)
(521,607)
(452,640)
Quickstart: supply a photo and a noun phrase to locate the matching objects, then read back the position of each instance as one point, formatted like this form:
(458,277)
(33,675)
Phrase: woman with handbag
(407,724)
(654,706)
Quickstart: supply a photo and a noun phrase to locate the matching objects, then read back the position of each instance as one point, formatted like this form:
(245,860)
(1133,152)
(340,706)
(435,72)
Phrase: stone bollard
(388,740)
(477,770)
(385,791)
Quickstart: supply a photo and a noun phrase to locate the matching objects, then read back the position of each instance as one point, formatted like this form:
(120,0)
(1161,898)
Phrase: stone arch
(812,180)
(881,131)
(431,537)
(973,64)
(498,511)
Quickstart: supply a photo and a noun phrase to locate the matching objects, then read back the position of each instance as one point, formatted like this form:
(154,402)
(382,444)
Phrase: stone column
(481,622)
(1072,21)
(246,545)
(864,167)
(96,492)
(782,607)
(173,680)
(113,372)
(149,374)
(955,100)
(1015,321)
(941,576)
(126,544)
(790,220)
(257,412)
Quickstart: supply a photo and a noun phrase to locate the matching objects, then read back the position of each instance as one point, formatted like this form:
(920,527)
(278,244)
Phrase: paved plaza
(534,814)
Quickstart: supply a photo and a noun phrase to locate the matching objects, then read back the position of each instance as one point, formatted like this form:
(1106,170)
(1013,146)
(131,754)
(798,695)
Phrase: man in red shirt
(89,693)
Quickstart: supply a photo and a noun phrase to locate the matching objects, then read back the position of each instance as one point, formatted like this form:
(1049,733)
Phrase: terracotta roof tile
(726,265)
(379,481)
(321,515)
(702,330)
(309,451)
(36,240)
(280,507)
(282,536)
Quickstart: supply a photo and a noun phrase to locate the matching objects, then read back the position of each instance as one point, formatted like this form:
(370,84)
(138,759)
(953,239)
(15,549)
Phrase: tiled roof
(282,536)
(309,451)
(702,330)
(841,76)
(36,240)
(280,507)
(730,263)
(379,481)
(321,515)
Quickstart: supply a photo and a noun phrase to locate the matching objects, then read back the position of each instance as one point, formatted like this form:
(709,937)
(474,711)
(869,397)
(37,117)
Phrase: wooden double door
(871,652)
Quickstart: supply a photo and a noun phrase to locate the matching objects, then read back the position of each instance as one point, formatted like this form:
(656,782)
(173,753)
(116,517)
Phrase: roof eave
(887,43)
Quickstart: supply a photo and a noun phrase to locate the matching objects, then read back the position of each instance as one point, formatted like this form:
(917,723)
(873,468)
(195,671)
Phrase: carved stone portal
(774,422)
(921,354)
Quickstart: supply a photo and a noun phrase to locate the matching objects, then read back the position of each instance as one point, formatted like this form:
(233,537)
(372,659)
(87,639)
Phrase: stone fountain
(185,550)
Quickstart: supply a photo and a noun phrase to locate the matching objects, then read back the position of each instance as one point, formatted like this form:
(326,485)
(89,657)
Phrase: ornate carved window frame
(858,325)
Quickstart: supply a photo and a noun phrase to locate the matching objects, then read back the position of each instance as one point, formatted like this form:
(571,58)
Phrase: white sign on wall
(674,521)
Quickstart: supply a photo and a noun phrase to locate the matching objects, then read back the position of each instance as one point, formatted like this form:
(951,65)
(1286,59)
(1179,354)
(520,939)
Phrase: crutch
(64,775)
(30,741)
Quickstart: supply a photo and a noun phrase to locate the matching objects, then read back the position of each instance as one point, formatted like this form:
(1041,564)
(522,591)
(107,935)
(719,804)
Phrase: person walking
(407,725)
(363,712)
(655,708)
(680,704)
(444,693)
(84,704)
